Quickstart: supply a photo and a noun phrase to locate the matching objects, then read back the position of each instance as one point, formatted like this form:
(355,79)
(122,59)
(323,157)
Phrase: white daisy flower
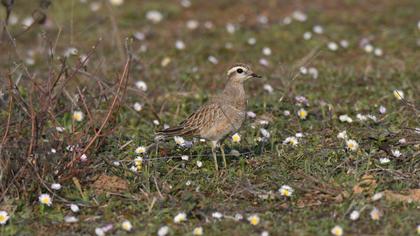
(70,219)
(266,51)
(236,138)
(179,140)
(116,163)
(180,45)
(265,233)
(313,72)
(251,114)
(332,46)
(139,36)
(344,43)
(74,208)
(140,150)
(156,122)
(199,164)
(137,106)
(268,88)
(262,19)
(208,25)
(377,196)
(302,113)
(384,160)
(396,153)
(342,135)
(163,231)
(345,118)
(126,225)
(264,62)
(337,230)
(286,190)
(186,3)
(192,24)
(368,48)
(265,133)
(213,60)
(382,109)
(291,140)
(299,16)
(95,6)
(375,214)
(231,28)
(287,20)
(4,217)
(378,52)
(361,117)
(116,2)
(71,52)
(184,157)
(56,186)
(141,85)
(307,35)
(217,215)
(286,113)
(252,41)
(254,219)
(27,22)
(154,16)
(352,145)
(45,199)
(180,218)
(99,231)
(83,158)
(354,215)
(238,217)
(133,169)
(78,116)
(299,135)
(198,231)
(165,61)
(318,29)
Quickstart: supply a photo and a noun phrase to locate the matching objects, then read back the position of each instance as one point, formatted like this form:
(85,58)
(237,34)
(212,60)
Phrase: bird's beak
(253,75)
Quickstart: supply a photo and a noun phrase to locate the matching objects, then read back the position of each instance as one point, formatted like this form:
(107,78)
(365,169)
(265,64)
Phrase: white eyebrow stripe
(235,68)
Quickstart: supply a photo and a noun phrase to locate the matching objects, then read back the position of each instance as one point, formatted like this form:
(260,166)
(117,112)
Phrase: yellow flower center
(236,138)
(254,220)
(2,218)
(45,200)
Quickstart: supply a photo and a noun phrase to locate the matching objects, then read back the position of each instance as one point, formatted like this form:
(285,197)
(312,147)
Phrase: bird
(222,115)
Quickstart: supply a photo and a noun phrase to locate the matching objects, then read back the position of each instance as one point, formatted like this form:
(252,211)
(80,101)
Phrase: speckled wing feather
(203,118)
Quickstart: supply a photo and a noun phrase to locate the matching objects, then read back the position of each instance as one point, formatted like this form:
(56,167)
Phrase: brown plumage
(221,116)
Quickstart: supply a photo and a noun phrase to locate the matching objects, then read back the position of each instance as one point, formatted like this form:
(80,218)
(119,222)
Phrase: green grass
(321,171)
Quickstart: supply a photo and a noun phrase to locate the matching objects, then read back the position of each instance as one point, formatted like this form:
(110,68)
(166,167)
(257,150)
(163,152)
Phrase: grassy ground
(329,181)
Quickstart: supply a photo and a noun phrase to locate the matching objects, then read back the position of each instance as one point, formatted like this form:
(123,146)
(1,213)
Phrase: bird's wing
(203,118)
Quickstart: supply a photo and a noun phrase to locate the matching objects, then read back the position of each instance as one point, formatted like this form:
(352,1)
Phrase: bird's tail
(174,131)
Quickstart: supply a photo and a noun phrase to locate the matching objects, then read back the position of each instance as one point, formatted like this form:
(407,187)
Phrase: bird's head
(241,73)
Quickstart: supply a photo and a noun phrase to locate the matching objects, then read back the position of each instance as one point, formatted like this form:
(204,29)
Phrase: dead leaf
(412,196)
(366,185)
(106,183)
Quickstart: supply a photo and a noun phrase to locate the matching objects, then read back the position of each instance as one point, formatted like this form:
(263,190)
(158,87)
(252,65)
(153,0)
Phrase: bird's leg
(213,151)
(222,150)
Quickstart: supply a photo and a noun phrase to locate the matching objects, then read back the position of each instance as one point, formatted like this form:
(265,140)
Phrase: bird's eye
(239,70)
